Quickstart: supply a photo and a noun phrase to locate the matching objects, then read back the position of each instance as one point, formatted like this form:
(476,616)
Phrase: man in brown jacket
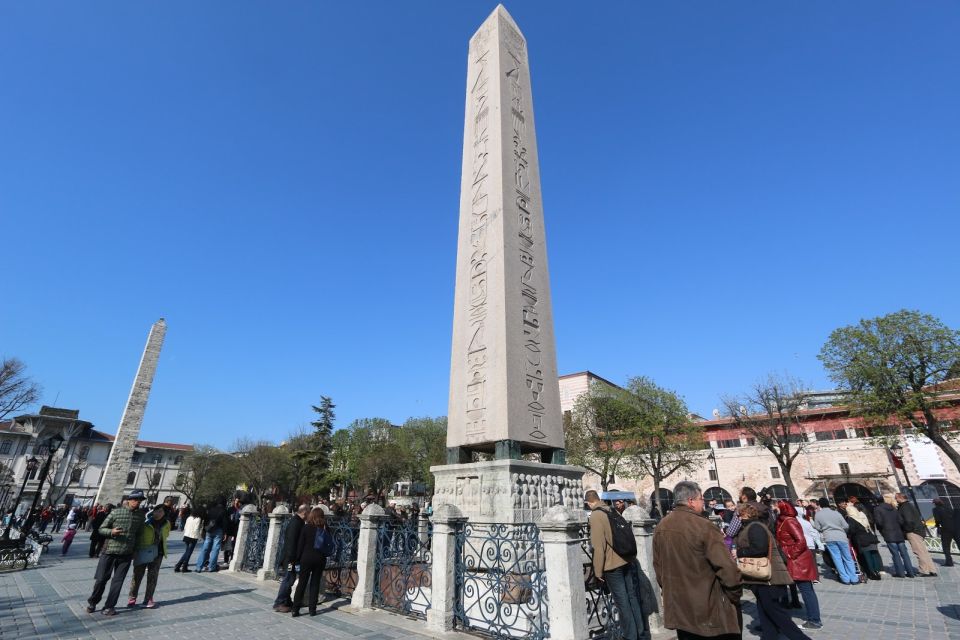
(618,573)
(699,580)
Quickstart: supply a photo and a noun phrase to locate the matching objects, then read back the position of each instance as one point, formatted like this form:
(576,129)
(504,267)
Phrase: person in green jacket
(121,530)
(151,550)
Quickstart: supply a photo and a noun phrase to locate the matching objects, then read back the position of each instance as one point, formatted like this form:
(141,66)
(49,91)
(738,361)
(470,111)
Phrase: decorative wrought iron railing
(255,545)
(500,577)
(341,571)
(603,615)
(935,545)
(279,569)
(402,579)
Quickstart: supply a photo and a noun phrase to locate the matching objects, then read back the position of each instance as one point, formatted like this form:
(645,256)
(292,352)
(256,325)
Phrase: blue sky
(724,184)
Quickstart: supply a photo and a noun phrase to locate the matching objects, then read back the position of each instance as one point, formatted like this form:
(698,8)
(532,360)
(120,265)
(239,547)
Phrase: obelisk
(118,464)
(504,391)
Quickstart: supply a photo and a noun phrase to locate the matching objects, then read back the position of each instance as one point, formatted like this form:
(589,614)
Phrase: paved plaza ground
(48,602)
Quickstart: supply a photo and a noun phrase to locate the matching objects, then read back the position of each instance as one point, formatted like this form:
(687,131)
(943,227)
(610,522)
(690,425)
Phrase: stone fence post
(278,516)
(240,544)
(560,534)
(650,594)
(447,520)
(367,556)
(423,530)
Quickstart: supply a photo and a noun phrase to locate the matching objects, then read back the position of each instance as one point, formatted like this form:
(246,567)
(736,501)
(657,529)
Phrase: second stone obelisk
(504,393)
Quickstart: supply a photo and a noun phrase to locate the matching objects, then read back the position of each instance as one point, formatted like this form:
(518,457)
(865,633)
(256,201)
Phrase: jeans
(184,560)
(622,583)
(118,566)
(810,601)
(286,585)
(901,559)
(843,562)
(211,549)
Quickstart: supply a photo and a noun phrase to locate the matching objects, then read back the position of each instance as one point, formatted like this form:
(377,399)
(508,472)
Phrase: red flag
(897,461)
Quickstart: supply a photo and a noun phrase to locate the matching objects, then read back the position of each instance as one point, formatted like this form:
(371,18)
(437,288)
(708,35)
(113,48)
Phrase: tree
(260,465)
(664,438)
(769,413)
(17,389)
(293,483)
(599,434)
(315,456)
(343,464)
(424,441)
(892,366)
(375,454)
(207,475)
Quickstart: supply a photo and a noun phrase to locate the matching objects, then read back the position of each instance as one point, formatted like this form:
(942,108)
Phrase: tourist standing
(801,563)
(96,540)
(231,525)
(915,530)
(946,519)
(863,541)
(700,582)
(192,533)
(213,537)
(150,552)
(887,520)
(314,544)
(121,530)
(756,541)
(68,537)
(833,527)
(291,538)
(618,572)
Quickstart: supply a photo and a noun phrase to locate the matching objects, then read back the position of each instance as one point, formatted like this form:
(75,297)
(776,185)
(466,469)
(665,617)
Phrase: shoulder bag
(757,569)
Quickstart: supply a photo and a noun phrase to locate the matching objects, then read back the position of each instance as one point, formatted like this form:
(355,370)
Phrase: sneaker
(150,604)
(811,626)
(109,611)
(91,608)
(282,608)
(132,602)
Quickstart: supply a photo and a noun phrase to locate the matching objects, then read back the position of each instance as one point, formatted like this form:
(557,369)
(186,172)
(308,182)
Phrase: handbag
(758,569)
(145,555)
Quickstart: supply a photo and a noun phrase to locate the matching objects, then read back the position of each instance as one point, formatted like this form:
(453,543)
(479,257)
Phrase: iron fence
(279,568)
(340,574)
(402,578)
(500,580)
(603,615)
(255,544)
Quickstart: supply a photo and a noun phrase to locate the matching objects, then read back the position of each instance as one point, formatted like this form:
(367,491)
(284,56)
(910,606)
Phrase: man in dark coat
(946,519)
(915,530)
(291,536)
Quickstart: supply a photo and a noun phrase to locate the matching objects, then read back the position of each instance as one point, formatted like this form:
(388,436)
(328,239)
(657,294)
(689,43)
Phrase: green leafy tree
(892,366)
(294,480)
(261,466)
(316,455)
(599,432)
(769,413)
(343,463)
(664,439)
(376,452)
(424,441)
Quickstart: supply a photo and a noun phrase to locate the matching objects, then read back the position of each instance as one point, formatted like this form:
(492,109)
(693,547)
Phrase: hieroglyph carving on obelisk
(118,464)
(503,378)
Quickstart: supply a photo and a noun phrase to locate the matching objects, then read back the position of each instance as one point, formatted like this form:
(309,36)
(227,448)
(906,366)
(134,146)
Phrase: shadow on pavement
(207,595)
(950,611)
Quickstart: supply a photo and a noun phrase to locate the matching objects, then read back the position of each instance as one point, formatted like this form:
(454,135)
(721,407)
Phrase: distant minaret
(118,464)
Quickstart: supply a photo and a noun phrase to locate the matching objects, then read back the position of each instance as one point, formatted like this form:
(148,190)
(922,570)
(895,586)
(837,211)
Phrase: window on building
(33,474)
(5,446)
(751,442)
(845,468)
(40,450)
(75,474)
(156,458)
(84,452)
(713,474)
(728,444)
(181,479)
(155,479)
(131,477)
(775,472)
(178,460)
(137,456)
(796,438)
(840,434)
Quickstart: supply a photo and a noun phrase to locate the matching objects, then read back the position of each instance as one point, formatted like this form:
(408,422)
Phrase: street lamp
(712,457)
(897,451)
(53,444)
(32,464)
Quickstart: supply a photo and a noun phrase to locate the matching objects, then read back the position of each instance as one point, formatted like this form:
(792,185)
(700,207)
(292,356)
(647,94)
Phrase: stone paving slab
(48,603)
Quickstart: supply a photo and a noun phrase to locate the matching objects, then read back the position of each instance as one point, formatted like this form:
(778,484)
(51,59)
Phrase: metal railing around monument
(603,614)
(255,545)
(402,576)
(500,578)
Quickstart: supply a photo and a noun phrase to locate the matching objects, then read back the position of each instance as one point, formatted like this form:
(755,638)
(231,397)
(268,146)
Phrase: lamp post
(32,464)
(53,443)
(897,452)
(712,457)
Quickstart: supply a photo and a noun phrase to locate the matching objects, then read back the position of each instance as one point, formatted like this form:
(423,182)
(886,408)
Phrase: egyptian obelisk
(504,391)
(118,464)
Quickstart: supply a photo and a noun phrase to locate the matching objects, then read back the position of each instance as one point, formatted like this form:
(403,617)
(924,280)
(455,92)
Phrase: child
(68,537)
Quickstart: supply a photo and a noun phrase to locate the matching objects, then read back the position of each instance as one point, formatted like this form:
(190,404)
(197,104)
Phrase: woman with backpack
(313,547)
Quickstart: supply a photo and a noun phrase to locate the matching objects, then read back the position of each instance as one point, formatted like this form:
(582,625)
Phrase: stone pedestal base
(507,491)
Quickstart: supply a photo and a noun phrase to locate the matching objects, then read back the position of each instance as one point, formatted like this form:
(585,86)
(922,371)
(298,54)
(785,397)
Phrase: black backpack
(624,544)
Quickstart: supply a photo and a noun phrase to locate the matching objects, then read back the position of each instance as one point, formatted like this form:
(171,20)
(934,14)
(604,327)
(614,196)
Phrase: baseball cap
(135,495)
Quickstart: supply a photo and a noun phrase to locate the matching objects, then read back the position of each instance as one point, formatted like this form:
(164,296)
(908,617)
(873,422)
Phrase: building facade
(77,467)
(839,457)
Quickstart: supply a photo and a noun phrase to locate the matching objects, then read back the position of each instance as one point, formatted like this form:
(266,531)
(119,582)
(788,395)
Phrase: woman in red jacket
(801,565)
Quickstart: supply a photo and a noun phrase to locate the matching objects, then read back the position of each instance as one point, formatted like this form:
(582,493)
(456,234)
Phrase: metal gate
(501,582)
(255,544)
(402,579)
(340,574)
(603,615)
(279,569)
